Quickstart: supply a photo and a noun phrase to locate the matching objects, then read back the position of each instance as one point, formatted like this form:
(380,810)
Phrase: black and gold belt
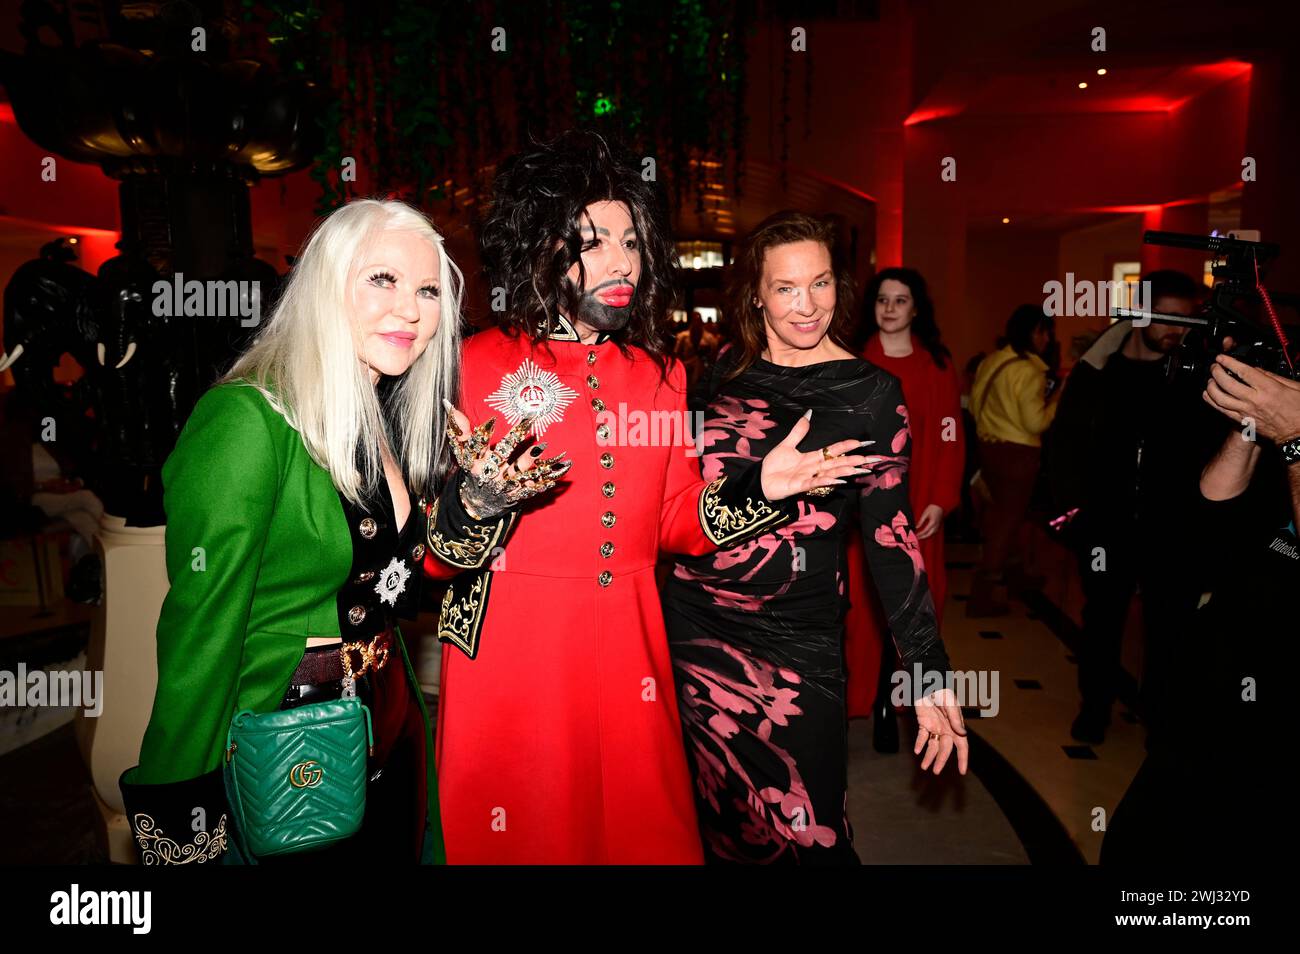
(323,670)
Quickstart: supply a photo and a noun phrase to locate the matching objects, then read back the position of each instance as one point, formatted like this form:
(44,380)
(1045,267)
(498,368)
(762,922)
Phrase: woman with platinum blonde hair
(309,489)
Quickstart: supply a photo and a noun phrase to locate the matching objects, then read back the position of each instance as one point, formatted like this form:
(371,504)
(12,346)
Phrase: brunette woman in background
(904,340)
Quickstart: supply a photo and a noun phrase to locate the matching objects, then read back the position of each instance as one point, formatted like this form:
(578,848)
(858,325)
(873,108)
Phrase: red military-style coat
(558,734)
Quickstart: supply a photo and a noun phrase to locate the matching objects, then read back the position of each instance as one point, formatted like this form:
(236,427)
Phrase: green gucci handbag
(296,778)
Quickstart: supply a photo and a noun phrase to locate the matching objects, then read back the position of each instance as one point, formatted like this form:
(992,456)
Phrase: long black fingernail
(537,451)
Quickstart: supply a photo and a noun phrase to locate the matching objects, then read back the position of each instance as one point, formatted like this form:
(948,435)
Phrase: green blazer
(258,547)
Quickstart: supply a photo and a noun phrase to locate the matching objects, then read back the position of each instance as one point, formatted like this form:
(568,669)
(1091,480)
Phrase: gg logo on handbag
(306,774)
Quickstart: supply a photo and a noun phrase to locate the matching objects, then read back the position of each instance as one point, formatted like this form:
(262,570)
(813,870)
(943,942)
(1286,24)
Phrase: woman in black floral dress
(757,632)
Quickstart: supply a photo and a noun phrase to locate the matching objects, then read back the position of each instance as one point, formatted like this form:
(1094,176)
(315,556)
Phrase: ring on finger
(492,465)
(507,444)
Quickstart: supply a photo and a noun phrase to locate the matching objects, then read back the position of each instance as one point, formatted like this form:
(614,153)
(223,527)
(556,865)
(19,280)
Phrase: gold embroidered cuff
(463,608)
(466,545)
(162,819)
(733,510)
(157,849)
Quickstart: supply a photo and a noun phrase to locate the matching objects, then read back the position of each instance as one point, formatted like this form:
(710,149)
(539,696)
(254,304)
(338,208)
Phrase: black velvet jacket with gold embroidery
(458,543)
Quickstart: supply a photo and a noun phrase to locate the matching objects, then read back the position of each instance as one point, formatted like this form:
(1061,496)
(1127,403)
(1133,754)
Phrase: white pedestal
(122,646)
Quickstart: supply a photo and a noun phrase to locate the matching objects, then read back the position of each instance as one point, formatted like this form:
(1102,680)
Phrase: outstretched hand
(788,471)
(495,479)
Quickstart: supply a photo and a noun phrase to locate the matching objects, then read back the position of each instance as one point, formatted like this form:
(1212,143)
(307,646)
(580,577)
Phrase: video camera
(1238,270)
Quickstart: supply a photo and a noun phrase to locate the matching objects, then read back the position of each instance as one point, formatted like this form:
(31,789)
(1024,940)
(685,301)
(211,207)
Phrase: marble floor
(1031,653)
(901,815)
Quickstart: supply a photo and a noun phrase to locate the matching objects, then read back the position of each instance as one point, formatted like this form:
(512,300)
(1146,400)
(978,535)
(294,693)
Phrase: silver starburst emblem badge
(532,392)
(392,582)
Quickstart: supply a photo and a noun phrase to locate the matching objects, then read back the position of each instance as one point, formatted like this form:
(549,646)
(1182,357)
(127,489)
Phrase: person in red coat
(905,342)
(559,740)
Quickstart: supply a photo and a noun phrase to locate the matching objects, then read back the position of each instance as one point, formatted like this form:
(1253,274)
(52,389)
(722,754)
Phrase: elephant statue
(145,382)
(44,314)
(47,314)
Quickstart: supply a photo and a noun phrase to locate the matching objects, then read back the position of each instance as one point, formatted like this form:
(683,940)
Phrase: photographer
(1201,794)
(1124,451)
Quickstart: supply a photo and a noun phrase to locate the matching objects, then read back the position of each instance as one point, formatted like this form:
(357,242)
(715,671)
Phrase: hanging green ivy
(425,96)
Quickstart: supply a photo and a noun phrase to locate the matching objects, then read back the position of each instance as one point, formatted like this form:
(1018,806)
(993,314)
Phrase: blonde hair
(305,359)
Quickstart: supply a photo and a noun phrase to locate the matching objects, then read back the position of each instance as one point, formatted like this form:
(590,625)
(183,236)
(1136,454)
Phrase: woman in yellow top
(1012,409)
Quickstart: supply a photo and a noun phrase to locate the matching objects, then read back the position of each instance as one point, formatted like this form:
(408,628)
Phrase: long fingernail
(807,415)
(447,404)
(856,471)
(865,443)
(537,451)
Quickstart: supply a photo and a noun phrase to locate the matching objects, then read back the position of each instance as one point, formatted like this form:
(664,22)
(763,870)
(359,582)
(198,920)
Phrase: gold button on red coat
(607,460)
(607,518)
(605,578)
(593,382)
(597,405)
(591,357)
(602,431)
(607,488)
(607,549)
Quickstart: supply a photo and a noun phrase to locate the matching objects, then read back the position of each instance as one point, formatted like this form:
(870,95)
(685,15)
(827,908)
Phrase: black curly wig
(530,237)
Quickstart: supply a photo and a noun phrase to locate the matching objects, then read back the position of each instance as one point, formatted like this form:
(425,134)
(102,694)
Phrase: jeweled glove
(493,483)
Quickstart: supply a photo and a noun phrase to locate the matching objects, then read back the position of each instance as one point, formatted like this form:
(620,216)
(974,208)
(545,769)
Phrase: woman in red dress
(905,342)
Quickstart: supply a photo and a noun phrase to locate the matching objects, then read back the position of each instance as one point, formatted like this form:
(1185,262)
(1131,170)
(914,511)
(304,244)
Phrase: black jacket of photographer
(1126,448)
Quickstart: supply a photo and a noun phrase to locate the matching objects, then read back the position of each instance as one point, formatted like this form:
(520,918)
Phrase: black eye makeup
(378,277)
